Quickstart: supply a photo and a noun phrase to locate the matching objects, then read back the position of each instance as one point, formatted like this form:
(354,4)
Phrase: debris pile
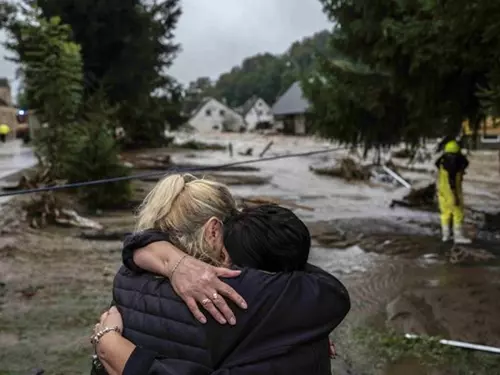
(404,153)
(200,146)
(259,201)
(152,162)
(47,208)
(423,197)
(247,152)
(347,169)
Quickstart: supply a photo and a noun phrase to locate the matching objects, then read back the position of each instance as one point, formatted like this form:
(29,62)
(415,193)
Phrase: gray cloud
(218,34)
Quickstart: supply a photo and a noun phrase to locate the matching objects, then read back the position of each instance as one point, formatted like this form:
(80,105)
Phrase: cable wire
(165,172)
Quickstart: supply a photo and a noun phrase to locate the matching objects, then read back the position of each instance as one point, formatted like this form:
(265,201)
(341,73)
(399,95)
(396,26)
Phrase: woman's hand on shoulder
(198,282)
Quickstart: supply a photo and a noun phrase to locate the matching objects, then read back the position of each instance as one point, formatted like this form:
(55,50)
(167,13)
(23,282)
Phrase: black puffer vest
(284,330)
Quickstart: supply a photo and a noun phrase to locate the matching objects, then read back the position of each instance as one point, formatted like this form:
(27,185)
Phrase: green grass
(392,347)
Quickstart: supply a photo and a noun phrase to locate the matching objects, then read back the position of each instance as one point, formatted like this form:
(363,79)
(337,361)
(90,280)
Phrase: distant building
(7,111)
(290,111)
(213,115)
(257,114)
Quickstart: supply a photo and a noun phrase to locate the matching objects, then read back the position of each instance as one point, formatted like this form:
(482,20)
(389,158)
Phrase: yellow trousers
(451,210)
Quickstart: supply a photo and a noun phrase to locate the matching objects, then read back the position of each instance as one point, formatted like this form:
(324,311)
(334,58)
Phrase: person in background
(451,166)
(4,131)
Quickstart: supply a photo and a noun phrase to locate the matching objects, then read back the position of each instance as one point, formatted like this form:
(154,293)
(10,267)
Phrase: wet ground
(61,281)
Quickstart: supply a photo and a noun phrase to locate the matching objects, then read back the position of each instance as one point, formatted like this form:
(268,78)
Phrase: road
(14,158)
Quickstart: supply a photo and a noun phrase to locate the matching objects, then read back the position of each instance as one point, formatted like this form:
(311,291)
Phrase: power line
(165,172)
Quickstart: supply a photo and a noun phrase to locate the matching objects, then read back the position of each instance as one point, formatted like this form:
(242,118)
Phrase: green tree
(76,142)
(127,46)
(52,69)
(434,55)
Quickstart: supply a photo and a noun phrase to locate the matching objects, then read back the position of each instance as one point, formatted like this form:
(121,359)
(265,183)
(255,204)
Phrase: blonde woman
(273,336)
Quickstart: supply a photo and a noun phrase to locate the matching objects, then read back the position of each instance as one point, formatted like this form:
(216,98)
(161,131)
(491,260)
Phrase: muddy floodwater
(397,271)
(413,258)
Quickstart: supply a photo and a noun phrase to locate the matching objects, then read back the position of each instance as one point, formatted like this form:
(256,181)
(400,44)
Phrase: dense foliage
(51,66)
(265,75)
(434,60)
(76,140)
(127,46)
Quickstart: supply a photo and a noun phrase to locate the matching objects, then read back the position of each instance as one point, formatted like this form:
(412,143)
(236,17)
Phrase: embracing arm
(326,299)
(193,280)
(149,251)
(287,310)
(120,356)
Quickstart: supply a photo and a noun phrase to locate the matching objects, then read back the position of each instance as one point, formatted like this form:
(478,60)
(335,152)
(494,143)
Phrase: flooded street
(415,261)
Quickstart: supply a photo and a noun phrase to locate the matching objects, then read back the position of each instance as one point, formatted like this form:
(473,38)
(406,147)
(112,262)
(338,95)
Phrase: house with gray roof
(290,111)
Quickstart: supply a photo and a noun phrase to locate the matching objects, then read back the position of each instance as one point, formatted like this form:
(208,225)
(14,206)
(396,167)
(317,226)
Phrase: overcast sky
(218,34)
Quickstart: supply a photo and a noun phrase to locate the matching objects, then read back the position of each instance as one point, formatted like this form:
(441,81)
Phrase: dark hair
(268,237)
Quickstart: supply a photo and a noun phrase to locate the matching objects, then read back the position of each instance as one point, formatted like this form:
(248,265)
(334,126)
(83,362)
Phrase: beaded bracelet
(94,340)
(177,266)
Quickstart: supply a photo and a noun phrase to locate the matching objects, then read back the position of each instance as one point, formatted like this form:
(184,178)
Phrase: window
(259,113)
(208,112)
(222,112)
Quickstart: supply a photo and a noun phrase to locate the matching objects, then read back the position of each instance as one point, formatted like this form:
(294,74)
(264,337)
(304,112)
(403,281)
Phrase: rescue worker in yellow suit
(4,131)
(451,169)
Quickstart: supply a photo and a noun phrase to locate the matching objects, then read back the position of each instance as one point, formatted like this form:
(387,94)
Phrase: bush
(95,157)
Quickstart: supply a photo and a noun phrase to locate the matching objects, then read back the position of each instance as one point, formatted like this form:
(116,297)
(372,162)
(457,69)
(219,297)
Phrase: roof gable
(291,102)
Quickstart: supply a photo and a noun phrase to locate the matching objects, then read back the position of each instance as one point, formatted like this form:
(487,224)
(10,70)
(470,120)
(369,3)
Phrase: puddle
(342,262)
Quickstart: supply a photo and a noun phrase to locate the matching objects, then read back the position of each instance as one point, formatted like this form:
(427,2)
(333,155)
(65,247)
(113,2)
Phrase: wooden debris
(71,218)
(403,153)
(248,152)
(419,197)
(266,149)
(152,162)
(465,255)
(105,234)
(347,169)
(259,201)
(44,208)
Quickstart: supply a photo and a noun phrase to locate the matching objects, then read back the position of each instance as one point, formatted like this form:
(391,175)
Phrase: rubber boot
(445,232)
(459,237)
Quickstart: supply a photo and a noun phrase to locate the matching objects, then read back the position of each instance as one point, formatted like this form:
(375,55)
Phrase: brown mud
(55,282)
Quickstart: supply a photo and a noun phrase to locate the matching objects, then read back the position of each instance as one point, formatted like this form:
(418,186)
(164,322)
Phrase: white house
(212,115)
(291,111)
(257,113)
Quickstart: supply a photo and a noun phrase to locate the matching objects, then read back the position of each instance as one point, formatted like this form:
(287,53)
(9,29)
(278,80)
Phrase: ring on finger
(215,296)
(206,301)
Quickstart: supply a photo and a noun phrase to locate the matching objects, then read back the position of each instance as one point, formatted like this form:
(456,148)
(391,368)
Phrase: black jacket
(284,331)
